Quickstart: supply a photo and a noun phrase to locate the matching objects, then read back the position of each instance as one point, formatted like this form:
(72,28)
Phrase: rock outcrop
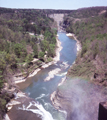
(80,99)
(20,108)
(61,102)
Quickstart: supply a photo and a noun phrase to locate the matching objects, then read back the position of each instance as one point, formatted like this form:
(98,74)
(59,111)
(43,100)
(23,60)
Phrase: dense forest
(90,27)
(25,34)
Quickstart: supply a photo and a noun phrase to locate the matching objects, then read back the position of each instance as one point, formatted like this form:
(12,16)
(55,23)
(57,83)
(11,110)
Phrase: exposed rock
(102,12)
(61,102)
(17,108)
(79,98)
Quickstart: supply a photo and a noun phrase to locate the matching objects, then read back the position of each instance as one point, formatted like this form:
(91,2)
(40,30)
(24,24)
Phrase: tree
(44,45)
(51,50)
(35,50)
(20,50)
(41,54)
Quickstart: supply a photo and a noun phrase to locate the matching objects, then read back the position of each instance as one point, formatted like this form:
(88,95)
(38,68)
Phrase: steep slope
(90,27)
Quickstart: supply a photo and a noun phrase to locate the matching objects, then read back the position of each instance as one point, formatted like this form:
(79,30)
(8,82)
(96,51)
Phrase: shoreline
(55,59)
(21,79)
(78,44)
(53,95)
(79,47)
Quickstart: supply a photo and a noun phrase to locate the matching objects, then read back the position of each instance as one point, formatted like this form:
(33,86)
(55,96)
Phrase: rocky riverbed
(19,106)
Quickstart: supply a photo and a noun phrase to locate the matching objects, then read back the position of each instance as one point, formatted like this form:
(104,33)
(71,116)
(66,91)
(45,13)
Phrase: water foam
(62,81)
(52,73)
(62,74)
(41,96)
(64,65)
(48,105)
(41,112)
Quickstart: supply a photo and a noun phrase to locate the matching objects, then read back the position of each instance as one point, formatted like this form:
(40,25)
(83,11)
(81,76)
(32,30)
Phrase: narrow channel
(46,81)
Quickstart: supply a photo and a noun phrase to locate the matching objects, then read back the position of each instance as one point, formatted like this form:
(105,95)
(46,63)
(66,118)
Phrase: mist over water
(84,98)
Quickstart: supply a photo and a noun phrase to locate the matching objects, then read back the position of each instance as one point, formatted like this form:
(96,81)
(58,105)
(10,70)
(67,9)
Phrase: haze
(52,4)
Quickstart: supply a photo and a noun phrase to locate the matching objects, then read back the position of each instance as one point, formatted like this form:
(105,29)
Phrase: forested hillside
(25,34)
(90,27)
(28,34)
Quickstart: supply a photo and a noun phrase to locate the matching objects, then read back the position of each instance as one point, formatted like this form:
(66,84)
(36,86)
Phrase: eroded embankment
(79,98)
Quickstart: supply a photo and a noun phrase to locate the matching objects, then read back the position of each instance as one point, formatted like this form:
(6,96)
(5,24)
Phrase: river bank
(47,80)
(45,65)
(75,95)
(19,106)
(57,97)
(20,95)
(41,90)
(79,47)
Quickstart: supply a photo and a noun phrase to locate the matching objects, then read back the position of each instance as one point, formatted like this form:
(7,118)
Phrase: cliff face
(79,98)
(62,102)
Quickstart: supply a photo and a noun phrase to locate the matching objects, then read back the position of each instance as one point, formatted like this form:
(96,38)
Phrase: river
(46,81)
(78,97)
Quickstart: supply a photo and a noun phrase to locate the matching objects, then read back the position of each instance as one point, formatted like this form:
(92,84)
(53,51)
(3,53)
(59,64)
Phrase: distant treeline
(52,11)
(45,11)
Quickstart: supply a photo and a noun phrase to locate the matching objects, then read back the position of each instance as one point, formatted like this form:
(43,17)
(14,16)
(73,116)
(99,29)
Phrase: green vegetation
(87,12)
(90,27)
(4,99)
(24,34)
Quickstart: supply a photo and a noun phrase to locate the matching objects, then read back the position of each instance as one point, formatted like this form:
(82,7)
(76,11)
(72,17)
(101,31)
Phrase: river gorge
(56,96)
(47,80)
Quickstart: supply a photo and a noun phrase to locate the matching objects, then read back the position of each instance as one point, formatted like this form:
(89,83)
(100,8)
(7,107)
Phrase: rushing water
(81,97)
(45,82)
